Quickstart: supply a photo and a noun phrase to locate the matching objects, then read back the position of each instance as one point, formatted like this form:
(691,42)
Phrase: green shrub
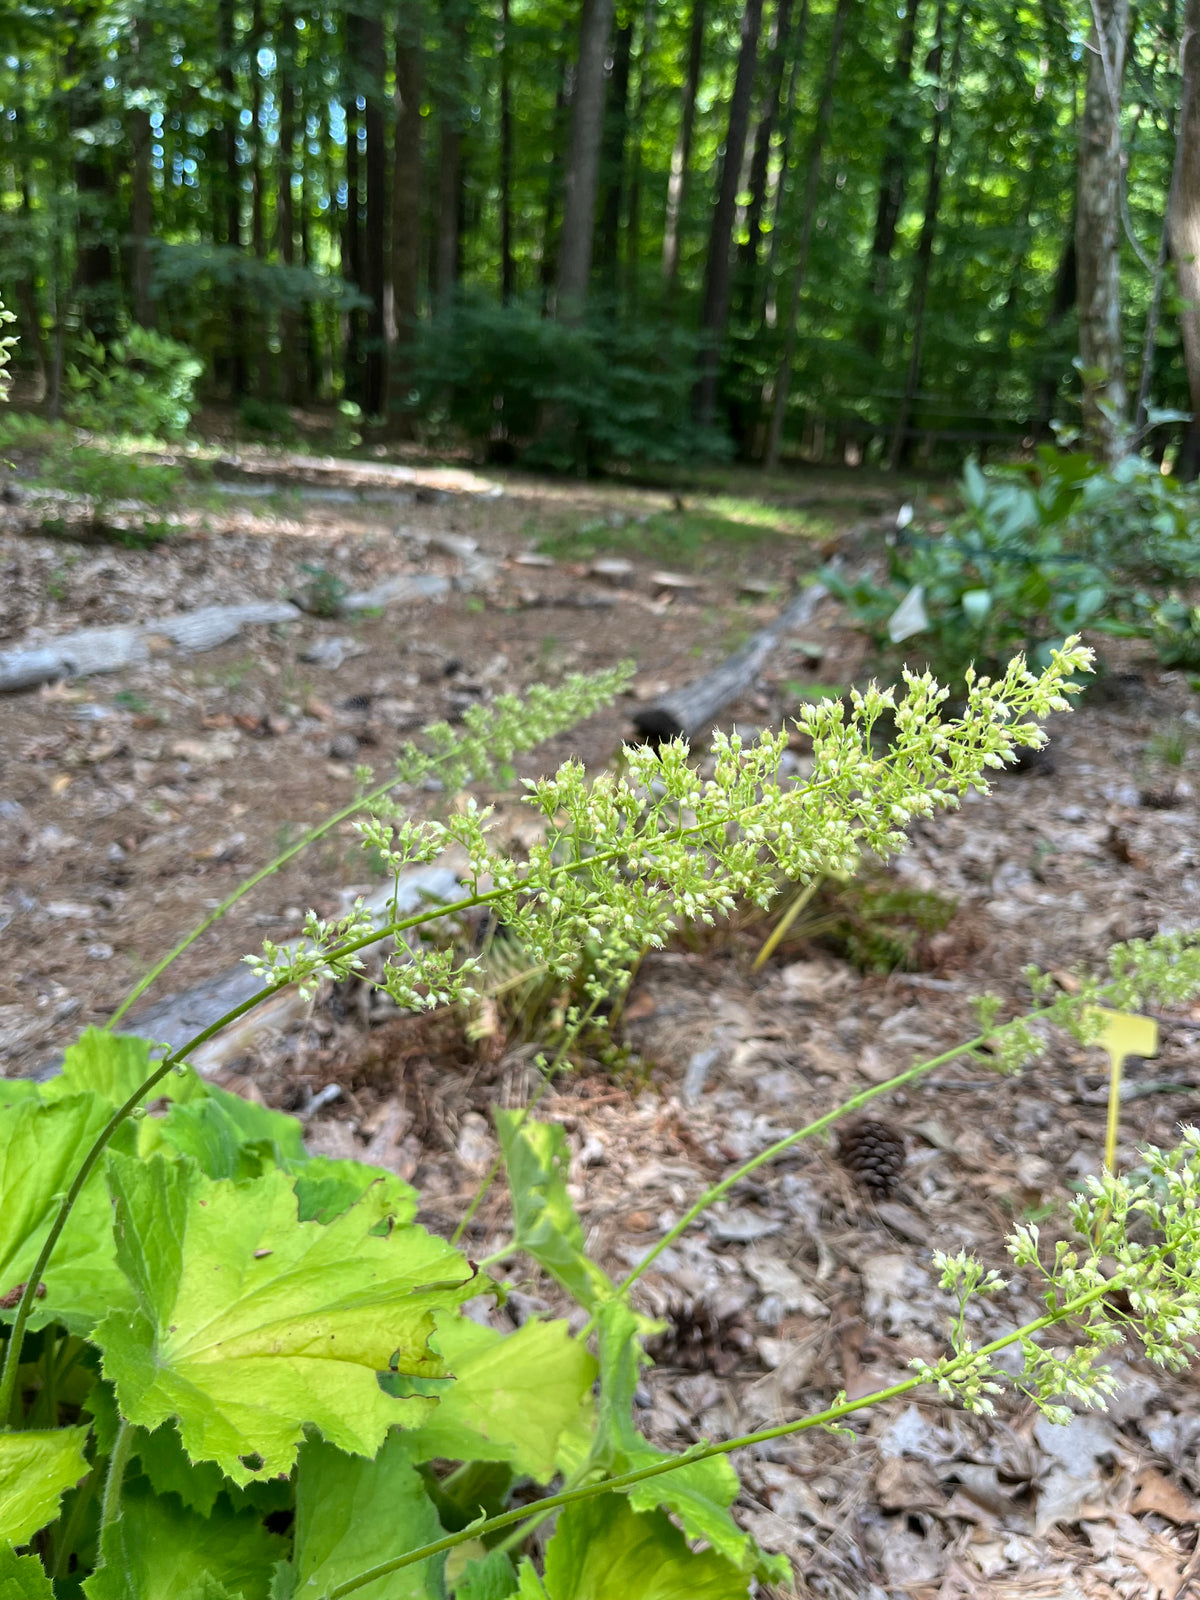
(126,499)
(565,397)
(269,417)
(1042,550)
(143,385)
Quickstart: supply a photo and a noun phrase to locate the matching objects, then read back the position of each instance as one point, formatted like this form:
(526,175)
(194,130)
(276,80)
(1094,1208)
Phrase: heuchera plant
(234,1369)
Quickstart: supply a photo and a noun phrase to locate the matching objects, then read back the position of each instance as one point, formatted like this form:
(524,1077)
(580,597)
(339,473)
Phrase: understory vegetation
(231,1368)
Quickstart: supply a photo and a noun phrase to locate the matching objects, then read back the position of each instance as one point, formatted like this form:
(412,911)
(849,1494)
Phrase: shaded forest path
(132,802)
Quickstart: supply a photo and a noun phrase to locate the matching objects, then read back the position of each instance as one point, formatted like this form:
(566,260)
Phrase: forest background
(844,230)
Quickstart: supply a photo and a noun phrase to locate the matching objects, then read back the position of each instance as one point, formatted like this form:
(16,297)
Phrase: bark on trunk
(548,265)
(375,229)
(449,194)
(1185,229)
(141,204)
(508,266)
(612,157)
(406,216)
(96,288)
(715,312)
(285,221)
(633,220)
(231,184)
(761,161)
(1098,232)
(812,183)
(779,191)
(583,165)
(893,182)
(924,260)
(681,155)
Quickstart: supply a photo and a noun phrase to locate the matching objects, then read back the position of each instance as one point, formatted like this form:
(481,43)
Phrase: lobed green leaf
(251,1325)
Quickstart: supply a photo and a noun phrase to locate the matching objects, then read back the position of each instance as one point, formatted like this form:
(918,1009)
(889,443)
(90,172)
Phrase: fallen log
(687,711)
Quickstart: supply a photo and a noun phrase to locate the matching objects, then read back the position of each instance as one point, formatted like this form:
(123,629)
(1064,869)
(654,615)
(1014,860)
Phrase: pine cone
(699,1339)
(874,1153)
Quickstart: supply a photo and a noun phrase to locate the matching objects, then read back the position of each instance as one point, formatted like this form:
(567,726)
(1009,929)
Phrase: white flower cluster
(628,856)
(1133,1270)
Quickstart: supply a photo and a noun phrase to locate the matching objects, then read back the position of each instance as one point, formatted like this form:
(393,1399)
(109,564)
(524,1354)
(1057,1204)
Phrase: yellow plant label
(1124,1034)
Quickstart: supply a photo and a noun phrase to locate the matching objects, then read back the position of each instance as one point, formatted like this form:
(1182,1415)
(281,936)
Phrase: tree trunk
(633,220)
(374,237)
(1185,229)
(231,182)
(612,157)
(812,183)
(406,216)
(548,266)
(96,288)
(508,266)
(681,155)
(285,221)
(1098,233)
(583,165)
(761,161)
(449,194)
(141,203)
(893,182)
(715,309)
(776,197)
(915,315)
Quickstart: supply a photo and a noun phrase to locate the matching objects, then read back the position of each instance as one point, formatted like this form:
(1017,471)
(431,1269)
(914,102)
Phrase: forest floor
(131,803)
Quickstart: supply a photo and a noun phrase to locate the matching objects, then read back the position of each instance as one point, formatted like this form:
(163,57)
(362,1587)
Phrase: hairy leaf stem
(821,1419)
(118,1462)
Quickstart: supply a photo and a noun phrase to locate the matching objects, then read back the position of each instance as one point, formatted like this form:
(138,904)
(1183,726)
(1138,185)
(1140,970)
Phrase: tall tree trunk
(918,299)
(548,265)
(612,156)
(353,267)
(1184,222)
(97,287)
(761,161)
(1098,232)
(406,218)
(633,220)
(231,184)
(681,155)
(285,220)
(508,266)
(375,229)
(893,183)
(777,195)
(583,164)
(141,203)
(450,187)
(715,308)
(258,231)
(812,184)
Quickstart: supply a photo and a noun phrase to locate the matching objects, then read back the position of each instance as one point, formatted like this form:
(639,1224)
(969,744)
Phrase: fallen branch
(688,711)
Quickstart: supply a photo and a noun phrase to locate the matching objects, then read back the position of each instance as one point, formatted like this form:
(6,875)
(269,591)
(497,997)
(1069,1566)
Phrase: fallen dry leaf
(1155,1492)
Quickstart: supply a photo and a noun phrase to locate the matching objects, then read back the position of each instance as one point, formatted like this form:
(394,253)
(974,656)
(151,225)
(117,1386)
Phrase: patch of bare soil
(131,803)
